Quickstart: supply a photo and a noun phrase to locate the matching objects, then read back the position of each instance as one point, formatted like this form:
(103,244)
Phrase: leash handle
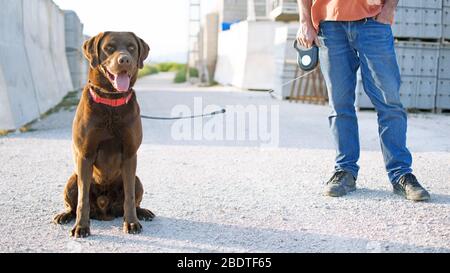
(307,58)
(222,111)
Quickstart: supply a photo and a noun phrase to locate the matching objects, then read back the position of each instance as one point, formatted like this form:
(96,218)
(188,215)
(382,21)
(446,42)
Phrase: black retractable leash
(223,111)
(307,59)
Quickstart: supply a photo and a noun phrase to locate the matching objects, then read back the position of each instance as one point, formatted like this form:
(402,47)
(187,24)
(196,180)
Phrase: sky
(161,23)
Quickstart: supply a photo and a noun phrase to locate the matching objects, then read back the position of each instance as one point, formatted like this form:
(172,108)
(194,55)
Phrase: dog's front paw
(79,231)
(132,227)
(144,214)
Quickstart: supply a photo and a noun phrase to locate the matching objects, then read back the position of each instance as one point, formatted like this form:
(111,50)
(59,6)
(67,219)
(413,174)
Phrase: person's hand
(307,35)
(386,16)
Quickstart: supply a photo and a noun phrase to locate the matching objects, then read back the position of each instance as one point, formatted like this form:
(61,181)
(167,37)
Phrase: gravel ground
(233,196)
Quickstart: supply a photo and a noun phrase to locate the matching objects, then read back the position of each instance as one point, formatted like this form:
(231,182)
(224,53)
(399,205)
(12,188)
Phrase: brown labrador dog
(107,133)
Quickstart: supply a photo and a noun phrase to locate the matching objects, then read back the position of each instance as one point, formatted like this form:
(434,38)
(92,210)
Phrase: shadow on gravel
(194,236)
(380,195)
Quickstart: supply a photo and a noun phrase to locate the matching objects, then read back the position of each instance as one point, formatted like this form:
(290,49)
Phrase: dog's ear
(144,49)
(91,49)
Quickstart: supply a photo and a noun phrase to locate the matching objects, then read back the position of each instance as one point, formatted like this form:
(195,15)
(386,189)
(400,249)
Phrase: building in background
(248,44)
(422,32)
(252,49)
(255,52)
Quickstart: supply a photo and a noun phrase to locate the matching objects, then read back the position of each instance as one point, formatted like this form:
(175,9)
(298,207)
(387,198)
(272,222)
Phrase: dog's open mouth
(121,81)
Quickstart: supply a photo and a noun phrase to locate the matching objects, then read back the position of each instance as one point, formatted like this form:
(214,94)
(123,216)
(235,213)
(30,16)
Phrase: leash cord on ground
(223,111)
(271,91)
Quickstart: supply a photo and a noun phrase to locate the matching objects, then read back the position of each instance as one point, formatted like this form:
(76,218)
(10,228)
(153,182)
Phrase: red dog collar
(110,102)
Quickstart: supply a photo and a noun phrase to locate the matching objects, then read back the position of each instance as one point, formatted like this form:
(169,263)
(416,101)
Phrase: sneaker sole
(335,194)
(416,199)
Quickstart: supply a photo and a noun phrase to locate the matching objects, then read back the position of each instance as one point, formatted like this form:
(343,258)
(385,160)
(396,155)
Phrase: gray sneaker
(340,184)
(409,187)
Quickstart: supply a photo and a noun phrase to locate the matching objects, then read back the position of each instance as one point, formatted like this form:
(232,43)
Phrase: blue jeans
(346,46)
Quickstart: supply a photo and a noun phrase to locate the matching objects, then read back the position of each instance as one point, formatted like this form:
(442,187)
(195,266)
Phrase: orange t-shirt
(344,10)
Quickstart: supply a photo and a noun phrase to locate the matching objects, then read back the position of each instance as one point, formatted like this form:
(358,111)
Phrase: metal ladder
(195,58)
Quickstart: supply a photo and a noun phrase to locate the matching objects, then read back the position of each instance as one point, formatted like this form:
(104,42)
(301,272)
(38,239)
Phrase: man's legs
(339,63)
(381,80)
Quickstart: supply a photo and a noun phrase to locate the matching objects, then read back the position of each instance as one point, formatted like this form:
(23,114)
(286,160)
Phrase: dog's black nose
(124,59)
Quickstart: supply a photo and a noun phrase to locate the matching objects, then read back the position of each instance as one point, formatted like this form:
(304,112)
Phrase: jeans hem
(355,175)
(395,181)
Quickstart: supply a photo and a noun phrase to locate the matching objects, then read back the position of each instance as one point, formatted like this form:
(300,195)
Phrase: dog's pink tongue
(122,82)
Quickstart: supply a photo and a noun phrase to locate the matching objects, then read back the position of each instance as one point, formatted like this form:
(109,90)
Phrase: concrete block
(418,23)
(446,22)
(232,10)
(257,10)
(407,92)
(285,58)
(231,56)
(75,62)
(417,58)
(415,93)
(78,67)
(246,55)
(34,74)
(210,40)
(443,87)
(284,40)
(37,44)
(425,94)
(284,10)
(443,94)
(73,30)
(58,49)
(444,62)
(17,93)
(432,4)
(407,95)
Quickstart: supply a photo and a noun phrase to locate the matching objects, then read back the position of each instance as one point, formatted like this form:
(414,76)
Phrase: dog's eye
(131,48)
(110,49)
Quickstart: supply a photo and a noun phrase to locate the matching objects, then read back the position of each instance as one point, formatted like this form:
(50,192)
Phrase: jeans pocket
(372,19)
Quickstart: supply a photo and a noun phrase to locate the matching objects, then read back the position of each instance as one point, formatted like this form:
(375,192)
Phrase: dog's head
(115,59)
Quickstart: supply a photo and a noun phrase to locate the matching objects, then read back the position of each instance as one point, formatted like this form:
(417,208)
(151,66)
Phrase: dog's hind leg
(142,214)
(70,202)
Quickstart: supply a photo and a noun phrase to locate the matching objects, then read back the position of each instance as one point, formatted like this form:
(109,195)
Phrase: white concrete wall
(58,50)
(36,19)
(257,10)
(286,59)
(246,55)
(210,38)
(34,74)
(231,55)
(74,30)
(74,42)
(260,64)
(17,94)
(232,10)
